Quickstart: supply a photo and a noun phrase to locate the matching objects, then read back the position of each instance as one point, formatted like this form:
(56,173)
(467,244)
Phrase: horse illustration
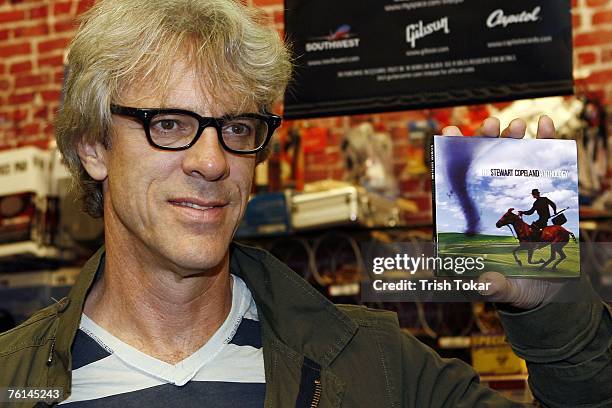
(554,235)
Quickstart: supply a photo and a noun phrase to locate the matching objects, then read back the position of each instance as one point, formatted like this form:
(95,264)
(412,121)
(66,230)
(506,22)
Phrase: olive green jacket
(317,354)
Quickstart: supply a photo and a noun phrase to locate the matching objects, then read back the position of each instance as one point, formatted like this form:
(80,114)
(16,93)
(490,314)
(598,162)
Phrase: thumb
(521,293)
(498,289)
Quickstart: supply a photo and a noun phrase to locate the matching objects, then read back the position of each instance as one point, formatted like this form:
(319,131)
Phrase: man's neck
(155,310)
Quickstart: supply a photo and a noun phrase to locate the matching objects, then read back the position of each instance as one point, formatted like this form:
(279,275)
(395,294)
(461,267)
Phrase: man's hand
(516,129)
(518,292)
(521,293)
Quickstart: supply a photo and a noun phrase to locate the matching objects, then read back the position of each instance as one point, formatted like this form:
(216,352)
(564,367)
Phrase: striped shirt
(228,371)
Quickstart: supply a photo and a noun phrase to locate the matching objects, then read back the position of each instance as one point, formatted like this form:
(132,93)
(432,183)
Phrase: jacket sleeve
(568,348)
(431,381)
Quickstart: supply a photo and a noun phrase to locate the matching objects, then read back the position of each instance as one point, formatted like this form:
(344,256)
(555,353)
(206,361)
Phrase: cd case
(505,205)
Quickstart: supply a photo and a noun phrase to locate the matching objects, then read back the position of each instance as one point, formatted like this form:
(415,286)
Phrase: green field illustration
(496,252)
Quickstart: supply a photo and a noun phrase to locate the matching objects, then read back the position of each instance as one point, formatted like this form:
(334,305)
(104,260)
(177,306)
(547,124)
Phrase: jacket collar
(290,309)
(71,315)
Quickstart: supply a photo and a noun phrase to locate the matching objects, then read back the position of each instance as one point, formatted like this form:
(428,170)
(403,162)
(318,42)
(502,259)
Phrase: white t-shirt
(228,371)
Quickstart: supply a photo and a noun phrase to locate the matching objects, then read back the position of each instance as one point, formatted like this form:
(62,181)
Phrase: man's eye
(237,129)
(166,124)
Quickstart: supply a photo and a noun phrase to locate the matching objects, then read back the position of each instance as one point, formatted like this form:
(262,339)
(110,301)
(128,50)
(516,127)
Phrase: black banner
(363,56)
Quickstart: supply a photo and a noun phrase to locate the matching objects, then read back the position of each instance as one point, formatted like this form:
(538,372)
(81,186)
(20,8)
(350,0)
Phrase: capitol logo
(498,18)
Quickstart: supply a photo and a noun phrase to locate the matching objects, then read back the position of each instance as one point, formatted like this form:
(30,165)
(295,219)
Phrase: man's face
(175,208)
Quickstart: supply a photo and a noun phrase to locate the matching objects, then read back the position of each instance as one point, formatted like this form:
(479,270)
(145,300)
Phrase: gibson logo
(419,30)
(497,18)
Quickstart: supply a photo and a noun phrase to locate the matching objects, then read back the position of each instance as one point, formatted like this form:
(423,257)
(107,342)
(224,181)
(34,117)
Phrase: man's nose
(206,158)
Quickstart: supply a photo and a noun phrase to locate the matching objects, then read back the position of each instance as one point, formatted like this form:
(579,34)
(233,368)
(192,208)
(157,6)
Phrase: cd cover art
(506,205)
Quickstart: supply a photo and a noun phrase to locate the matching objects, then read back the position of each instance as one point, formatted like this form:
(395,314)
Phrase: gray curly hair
(123,43)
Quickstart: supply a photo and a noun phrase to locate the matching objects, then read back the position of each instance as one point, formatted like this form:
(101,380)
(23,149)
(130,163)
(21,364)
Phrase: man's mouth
(198,204)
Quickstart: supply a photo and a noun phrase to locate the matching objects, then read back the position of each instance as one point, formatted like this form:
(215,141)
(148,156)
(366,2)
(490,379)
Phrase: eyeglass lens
(178,130)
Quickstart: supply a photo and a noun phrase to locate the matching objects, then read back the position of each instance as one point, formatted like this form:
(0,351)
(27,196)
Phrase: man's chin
(199,262)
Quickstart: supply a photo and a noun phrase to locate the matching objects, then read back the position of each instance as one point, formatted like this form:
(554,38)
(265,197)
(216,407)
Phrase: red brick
(31,80)
(41,113)
(55,61)
(574,3)
(597,3)
(38,141)
(279,17)
(2,69)
(84,5)
(20,67)
(39,12)
(17,99)
(19,115)
(601,77)
(62,7)
(602,17)
(29,130)
(61,26)
(49,130)
(4,85)
(33,31)
(606,55)
(50,45)
(59,77)
(50,96)
(593,38)
(260,3)
(576,20)
(10,16)
(586,58)
(15,49)
(4,34)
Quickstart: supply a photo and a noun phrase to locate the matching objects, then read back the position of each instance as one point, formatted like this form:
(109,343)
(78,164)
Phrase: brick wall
(33,37)
(34,34)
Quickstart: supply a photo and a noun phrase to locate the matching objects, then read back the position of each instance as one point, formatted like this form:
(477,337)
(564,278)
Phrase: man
(540,205)
(165,117)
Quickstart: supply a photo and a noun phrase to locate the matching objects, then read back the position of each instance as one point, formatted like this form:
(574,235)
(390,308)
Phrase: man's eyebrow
(178,106)
(196,109)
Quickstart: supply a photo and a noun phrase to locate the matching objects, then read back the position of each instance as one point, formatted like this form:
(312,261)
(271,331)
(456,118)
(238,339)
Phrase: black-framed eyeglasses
(178,129)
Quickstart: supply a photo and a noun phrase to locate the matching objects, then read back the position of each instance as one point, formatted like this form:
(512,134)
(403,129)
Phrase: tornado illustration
(459,159)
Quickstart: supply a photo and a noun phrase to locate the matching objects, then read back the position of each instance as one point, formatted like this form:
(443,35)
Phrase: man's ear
(93,157)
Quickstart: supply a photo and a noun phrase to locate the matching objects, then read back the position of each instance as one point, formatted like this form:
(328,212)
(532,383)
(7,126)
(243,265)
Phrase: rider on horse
(540,205)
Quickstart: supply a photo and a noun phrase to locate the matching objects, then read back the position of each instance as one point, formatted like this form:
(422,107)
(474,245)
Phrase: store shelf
(28,256)
(28,249)
(454,342)
(505,377)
